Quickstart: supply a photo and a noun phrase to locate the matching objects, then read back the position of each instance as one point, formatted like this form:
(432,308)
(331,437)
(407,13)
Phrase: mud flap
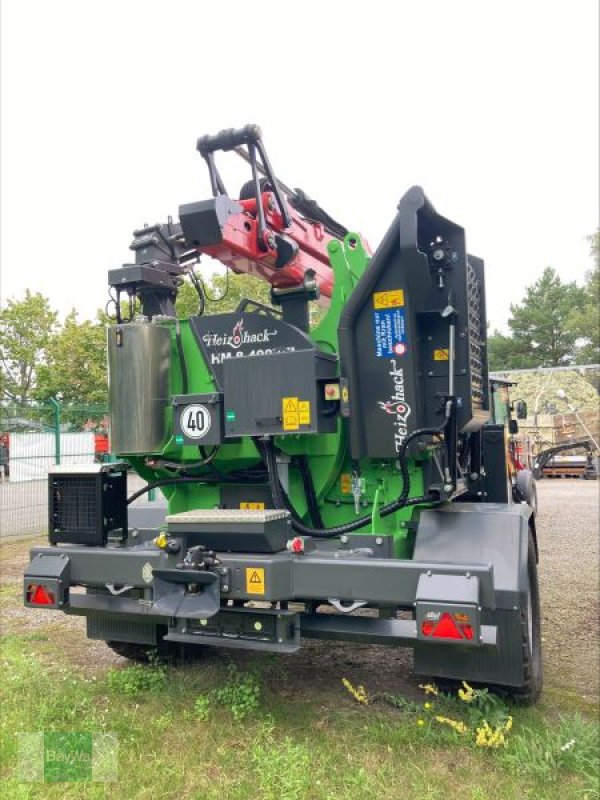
(480,533)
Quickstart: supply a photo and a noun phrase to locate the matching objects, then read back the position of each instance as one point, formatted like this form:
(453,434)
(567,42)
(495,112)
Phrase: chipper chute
(320,468)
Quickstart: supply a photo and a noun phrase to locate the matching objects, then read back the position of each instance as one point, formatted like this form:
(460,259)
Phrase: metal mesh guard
(227,516)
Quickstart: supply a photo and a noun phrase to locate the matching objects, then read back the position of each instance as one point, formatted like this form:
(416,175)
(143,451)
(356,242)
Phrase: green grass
(209,732)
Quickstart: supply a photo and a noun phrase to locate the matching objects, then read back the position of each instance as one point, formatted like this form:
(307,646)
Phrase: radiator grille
(87,507)
(75,505)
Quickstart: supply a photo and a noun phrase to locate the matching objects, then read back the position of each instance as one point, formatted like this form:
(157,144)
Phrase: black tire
(526,489)
(533,502)
(531,635)
(165,651)
(133,652)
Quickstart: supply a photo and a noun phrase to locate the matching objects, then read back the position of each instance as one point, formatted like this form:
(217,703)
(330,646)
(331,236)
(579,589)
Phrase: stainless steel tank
(139,386)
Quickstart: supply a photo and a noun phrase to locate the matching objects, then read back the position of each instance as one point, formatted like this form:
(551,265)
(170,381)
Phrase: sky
(491,106)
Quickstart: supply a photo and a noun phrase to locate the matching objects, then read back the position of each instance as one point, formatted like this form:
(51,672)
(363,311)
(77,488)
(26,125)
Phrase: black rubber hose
(231,477)
(182,362)
(309,492)
(403,501)
(163,463)
(163,482)
(197,283)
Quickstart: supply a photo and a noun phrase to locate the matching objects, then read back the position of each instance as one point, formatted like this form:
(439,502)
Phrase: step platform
(233,530)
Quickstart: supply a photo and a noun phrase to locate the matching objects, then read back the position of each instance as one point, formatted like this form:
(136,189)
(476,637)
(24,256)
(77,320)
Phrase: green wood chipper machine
(327,459)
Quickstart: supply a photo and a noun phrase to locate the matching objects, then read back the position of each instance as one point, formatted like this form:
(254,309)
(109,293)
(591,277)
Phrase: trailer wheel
(531,634)
(526,489)
(131,651)
(167,651)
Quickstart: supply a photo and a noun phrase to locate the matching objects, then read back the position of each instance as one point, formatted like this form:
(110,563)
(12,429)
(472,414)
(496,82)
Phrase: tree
(75,368)
(540,324)
(585,321)
(223,294)
(504,352)
(26,327)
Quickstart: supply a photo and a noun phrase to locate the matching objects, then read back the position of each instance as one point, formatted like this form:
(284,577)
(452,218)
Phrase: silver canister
(139,386)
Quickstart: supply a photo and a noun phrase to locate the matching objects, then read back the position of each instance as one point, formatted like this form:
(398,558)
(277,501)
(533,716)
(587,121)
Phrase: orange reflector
(40,596)
(467,631)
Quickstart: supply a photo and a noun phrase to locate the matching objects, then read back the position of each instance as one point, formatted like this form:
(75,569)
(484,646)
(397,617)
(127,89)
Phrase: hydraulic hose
(309,492)
(281,501)
(231,477)
(182,361)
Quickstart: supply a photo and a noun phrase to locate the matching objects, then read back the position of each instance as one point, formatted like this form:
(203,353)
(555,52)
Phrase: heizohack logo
(397,405)
(238,337)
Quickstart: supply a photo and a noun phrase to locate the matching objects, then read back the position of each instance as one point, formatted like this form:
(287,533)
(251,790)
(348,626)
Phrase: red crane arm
(241,250)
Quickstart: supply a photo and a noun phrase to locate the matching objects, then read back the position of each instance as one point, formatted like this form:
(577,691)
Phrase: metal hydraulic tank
(139,386)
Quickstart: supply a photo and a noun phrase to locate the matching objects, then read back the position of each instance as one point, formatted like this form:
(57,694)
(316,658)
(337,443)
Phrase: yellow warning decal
(345,394)
(304,412)
(289,413)
(440,355)
(346,483)
(289,404)
(252,506)
(391,299)
(255,580)
(291,421)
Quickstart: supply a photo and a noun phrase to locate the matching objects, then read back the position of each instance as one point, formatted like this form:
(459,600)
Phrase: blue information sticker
(390,332)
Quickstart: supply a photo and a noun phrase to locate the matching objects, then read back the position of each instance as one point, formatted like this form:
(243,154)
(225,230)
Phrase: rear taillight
(39,595)
(447,627)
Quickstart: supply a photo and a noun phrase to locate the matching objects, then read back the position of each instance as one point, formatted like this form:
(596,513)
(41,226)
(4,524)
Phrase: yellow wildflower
(420,722)
(428,705)
(486,736)
(467,694)
(428,688)
(359,693)
(455,724)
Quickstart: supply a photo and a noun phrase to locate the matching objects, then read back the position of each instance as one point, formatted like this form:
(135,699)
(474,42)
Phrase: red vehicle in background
(100,446)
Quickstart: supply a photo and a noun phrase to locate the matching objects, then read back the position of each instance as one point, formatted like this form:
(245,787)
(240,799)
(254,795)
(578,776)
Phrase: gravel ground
(569,576)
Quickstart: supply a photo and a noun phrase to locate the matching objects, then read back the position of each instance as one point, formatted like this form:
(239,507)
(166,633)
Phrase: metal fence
(33,437)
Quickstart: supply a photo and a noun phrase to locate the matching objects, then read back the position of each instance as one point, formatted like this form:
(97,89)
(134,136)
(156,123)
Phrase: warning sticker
(304,412)
(391,299)
(289,404)
(440,355)
(291,421)
(252,506)
(255,580)
(390,333)
(346,483)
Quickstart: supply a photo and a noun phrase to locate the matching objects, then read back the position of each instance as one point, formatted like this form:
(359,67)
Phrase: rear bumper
(141,586)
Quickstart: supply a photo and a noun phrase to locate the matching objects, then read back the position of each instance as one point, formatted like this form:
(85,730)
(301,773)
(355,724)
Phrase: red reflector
(467,631)
(40,596)
(447,628)
(427,627)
